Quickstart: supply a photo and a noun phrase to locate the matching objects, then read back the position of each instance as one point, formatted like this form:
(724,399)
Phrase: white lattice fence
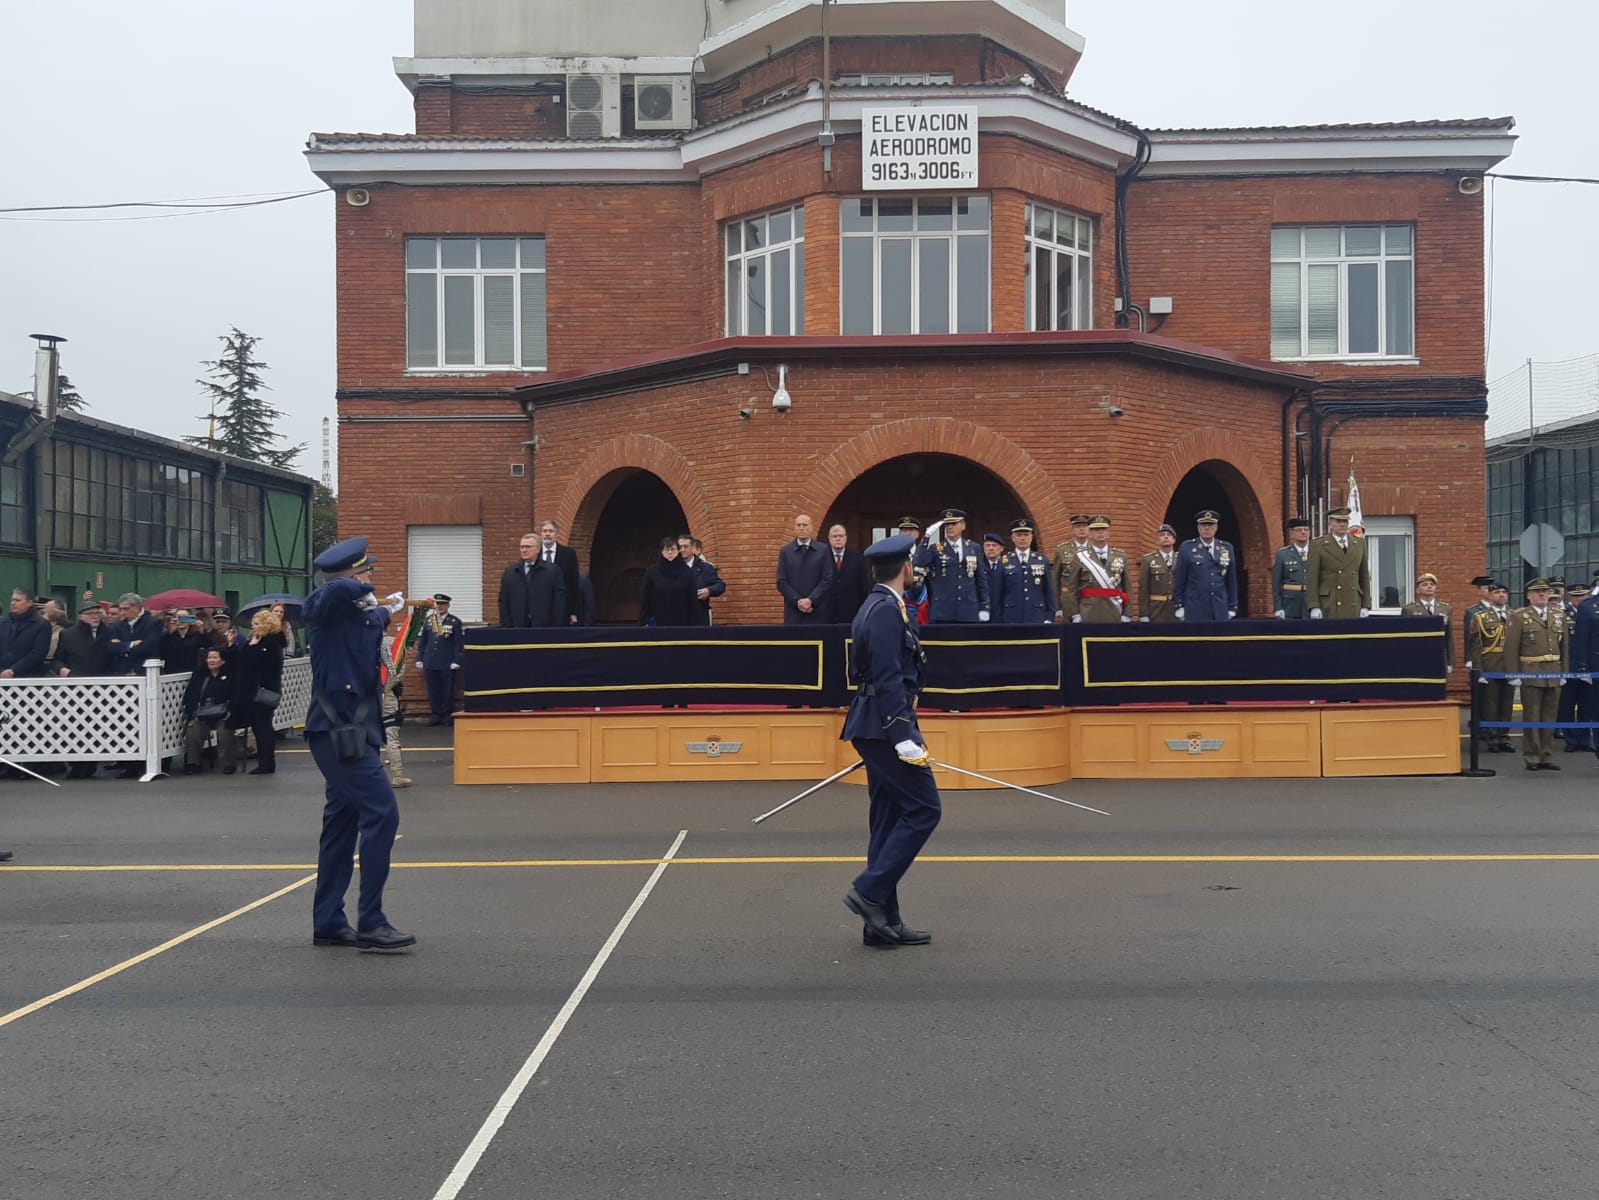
(296,693)
(90,719)
(119,718)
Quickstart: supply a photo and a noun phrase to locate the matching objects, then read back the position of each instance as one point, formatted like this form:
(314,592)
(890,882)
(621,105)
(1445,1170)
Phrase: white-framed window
(475,304)
(1391,551)
(1343,291)
(1060,262)
(766,274)
(893,78)
(914,264)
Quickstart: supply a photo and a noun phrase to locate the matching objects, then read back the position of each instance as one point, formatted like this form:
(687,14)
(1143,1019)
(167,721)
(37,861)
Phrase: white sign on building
(907,148)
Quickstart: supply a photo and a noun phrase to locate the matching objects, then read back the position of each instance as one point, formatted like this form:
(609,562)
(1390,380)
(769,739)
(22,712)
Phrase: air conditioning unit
(663,102)
(593,106)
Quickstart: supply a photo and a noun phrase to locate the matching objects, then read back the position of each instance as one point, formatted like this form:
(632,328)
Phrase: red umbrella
(183,598)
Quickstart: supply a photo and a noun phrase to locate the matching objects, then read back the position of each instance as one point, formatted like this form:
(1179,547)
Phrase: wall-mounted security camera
(1115,410)
(781,400)
(744,414)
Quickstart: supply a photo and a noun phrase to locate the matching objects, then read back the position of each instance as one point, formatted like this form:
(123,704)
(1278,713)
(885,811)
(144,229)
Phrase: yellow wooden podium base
(1032,747)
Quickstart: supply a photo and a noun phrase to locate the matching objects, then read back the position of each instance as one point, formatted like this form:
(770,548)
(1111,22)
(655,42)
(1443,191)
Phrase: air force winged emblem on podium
(713,747)
(1193,744)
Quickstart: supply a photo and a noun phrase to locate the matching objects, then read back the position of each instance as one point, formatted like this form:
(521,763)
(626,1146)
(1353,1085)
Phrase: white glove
(1060,615)
(455,666)
(1143,620)
(1482,681)
(913,753)
(366,602)
(1178,613)
(1449,670)
(1231,613)
(1315,614)
(394,601)
(1077,618)
(1468,664)
(1514,681)
(1125,619)
(982,616)
(1365,612)
(931,535)
(1280,615)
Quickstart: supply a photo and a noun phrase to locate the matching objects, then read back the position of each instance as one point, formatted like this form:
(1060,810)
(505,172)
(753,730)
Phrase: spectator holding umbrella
(258,680)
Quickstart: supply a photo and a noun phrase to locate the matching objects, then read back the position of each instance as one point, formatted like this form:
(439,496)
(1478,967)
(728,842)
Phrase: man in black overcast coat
(532,591)
(850,580)
(803,573)
(552,549)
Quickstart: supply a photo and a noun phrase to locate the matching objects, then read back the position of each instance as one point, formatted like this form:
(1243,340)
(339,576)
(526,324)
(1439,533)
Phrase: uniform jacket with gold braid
(1440,608)
(1084,586)
(1288,583)
(442,642)
(1485,639)
(1065,563)
(1536,644)
(957,586)
(1157,587)
(1027,594)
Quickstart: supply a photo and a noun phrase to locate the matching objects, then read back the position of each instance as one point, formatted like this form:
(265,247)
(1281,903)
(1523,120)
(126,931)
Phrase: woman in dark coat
(258,666)
(668,590)
(206,703)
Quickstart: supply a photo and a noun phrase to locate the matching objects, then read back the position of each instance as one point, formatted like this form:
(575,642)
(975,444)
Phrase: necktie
(549,554)
(838,561)
(804,545)
(527,569)
(1343,543)
(1429,608)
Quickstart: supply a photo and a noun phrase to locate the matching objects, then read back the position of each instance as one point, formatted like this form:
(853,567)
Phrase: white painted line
(473,1154)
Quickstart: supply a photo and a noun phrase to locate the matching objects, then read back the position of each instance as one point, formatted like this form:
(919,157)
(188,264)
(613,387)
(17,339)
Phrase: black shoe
(229,770)
(907,937)
(342,936)
(264,771)
(875,916)
(1549,766)
(5,856)
(384,937)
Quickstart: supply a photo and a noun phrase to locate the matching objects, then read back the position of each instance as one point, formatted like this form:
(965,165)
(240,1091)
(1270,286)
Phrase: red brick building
(573,291)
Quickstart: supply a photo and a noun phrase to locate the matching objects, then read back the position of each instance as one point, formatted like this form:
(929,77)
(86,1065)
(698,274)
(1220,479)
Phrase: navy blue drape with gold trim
(968,666)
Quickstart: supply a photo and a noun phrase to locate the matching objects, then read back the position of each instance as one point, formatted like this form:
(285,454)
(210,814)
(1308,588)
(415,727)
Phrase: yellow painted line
(82,984)
(801,860)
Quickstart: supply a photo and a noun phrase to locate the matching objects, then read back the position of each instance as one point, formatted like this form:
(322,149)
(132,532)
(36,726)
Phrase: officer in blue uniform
(957,585)
(1205,577)
(886,669)
(1027,595)
(439,651)
(343,725)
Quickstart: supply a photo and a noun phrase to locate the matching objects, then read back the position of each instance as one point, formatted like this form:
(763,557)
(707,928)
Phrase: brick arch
(937,435)
(1196,448)
(584,497)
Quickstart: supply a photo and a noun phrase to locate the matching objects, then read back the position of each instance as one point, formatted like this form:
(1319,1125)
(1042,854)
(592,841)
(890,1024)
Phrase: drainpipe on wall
(46,384)
(216,528)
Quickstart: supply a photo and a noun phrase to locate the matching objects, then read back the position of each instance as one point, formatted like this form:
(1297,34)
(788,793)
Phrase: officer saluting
(957,585)
(886,669)
(343,726)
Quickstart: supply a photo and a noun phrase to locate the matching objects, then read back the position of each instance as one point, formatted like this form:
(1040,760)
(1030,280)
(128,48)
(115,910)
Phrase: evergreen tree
(68,396)
(241,422)
(324,519)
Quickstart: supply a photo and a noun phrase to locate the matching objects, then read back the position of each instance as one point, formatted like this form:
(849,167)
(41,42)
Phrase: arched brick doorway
(1221,486)
(920,485)
(630,510)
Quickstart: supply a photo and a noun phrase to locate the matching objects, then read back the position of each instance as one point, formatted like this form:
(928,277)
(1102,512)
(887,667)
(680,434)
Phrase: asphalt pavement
(1284,989)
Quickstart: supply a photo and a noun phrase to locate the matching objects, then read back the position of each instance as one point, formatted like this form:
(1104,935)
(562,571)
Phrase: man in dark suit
(707,583)
(850,582)
(803,576)
(24,638)
(564,558)
(134,639)
(439,650)
(533,591)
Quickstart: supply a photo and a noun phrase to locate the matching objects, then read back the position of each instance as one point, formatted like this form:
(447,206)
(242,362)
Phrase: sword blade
(815,787)
(19,767)
(1018,787)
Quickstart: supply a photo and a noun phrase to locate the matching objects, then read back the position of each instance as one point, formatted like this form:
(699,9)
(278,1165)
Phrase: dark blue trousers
(905,810)
(360,801)
(441,694)
(1576,705)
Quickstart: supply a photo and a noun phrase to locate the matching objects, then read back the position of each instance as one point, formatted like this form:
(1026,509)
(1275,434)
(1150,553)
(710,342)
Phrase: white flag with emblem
(1356,517)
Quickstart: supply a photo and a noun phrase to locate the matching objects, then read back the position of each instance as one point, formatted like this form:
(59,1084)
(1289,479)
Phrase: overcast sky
(170,99)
